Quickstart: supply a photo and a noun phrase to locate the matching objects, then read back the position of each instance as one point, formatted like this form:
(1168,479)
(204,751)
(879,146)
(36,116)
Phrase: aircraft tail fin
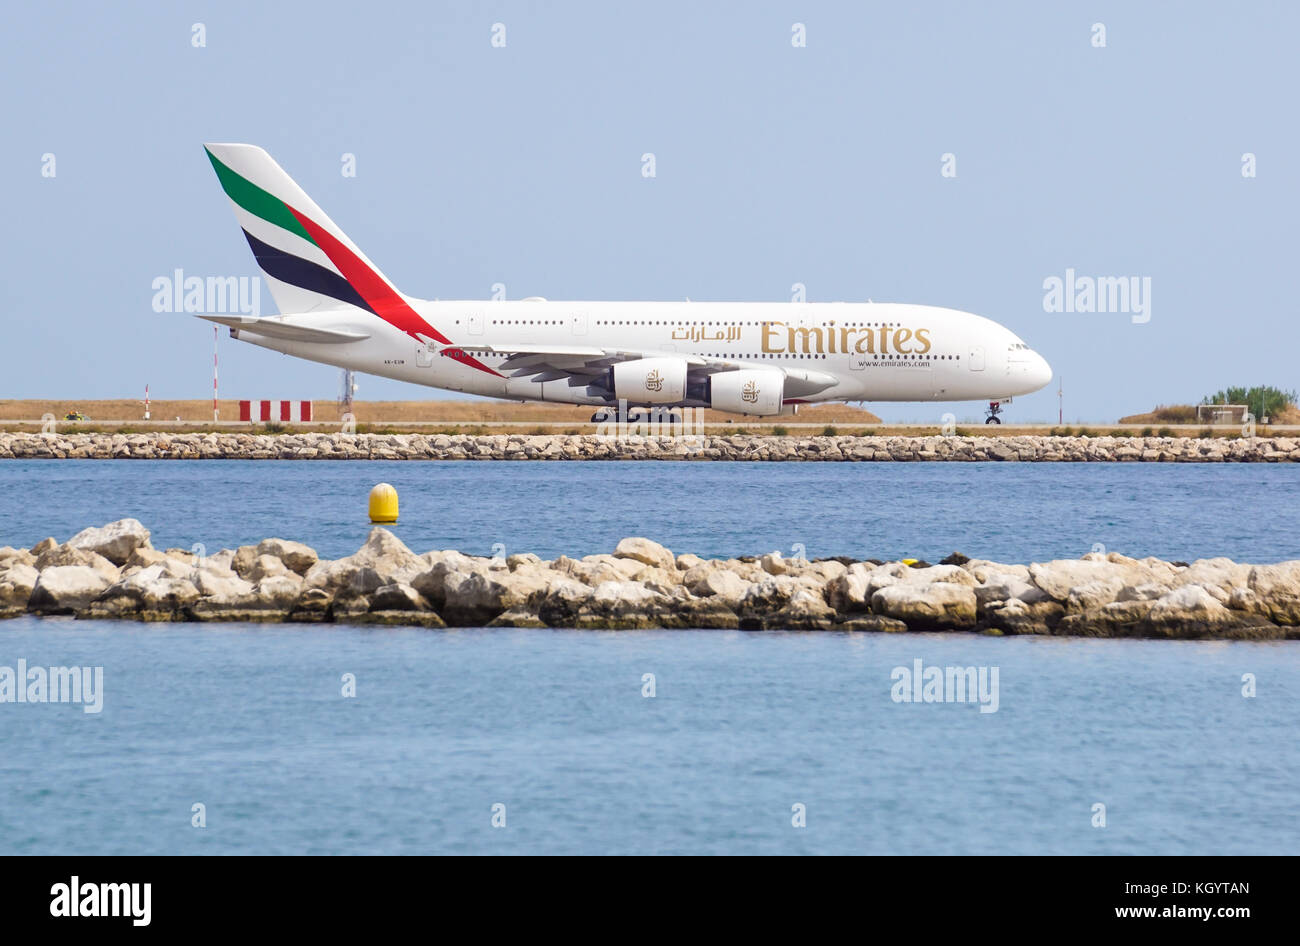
(308,262)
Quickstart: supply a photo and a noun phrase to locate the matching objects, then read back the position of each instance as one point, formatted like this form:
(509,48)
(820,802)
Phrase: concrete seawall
(340,446)
(113,572)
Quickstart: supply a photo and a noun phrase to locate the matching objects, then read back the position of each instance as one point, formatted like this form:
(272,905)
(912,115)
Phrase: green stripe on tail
(256,201)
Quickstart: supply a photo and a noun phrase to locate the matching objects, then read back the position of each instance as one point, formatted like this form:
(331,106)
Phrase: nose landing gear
(991,415)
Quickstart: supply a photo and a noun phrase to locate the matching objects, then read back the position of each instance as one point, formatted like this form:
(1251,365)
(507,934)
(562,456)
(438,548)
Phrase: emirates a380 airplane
(756,358)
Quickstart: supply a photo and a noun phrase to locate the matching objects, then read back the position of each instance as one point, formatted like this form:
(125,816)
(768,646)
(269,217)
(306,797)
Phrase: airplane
(747,358)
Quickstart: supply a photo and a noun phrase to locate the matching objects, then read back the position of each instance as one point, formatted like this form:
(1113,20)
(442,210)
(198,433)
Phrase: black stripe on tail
(303,273)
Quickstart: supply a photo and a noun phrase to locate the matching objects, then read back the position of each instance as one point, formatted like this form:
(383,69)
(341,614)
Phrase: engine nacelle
(747,391)
(650,381)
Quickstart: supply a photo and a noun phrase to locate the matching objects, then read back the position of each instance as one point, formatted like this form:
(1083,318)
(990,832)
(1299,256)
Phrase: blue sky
(774,165)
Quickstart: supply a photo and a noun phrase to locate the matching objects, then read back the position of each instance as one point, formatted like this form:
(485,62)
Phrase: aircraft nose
(1039,371)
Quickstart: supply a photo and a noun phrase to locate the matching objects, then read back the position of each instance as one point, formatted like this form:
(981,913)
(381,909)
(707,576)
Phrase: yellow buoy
(383,503)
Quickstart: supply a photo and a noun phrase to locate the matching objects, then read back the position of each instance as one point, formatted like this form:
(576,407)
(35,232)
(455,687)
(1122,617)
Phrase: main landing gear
(991,415)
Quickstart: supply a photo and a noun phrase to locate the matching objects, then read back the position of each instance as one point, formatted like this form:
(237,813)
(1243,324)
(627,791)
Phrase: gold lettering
(807,334)
(866,344)
(900,337)
(769,333)
(923,336)
(884,339)
(844,339)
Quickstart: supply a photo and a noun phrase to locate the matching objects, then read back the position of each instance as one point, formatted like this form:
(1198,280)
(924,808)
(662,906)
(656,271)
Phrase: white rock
(593,572)
(1278,586)
(483,595)
(939,604)
(1147,591)
(10,555)
(223,559)
(221,583)
(1222,572)
(653,575)
(688,561)
(1190,604)
(1004,586)
(382,551)
(398,597)
(16,584)
(625,596)
(950,574)
(848,593)
(68,555)
(719,583)
(1058,577)
(63,589)
(827,570)
(626,567)
(143,558)
(1093,594)
(984,570)
(278,591)
(158,587)
(296,556)
(771,594)
(568,591)
(645,551)
(115,541)
(264,566)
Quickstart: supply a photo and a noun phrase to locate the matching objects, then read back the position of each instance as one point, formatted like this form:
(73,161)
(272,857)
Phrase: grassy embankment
(495,417)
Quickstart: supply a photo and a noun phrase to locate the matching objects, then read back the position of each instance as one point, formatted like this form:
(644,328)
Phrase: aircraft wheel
(993,420)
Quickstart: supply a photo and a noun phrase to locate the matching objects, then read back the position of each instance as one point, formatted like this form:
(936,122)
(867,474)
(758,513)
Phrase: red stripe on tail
(380,296)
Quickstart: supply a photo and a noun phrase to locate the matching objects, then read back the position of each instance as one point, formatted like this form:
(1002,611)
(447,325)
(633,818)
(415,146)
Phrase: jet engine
(650,381)
(747,391)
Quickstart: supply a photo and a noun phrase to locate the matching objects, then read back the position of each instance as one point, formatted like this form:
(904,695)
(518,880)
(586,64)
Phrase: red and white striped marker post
(215,416)
(276,410)
(146,402)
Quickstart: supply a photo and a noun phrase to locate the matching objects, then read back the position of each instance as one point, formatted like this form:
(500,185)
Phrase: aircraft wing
(581,365)
(278,327)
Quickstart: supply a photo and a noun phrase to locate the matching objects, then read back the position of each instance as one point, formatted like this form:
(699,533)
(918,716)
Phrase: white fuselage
(874,351)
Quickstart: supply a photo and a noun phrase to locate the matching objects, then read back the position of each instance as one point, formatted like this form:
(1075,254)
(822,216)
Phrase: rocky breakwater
(114,572)
(341,446)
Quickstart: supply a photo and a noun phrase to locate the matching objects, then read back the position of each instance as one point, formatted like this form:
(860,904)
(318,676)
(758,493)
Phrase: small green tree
(1261,400)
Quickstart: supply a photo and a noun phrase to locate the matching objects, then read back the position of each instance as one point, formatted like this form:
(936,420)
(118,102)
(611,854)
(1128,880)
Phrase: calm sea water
(1005,511)
(250,720)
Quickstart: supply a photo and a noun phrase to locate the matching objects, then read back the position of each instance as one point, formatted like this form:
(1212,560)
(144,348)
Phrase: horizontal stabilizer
(278,327)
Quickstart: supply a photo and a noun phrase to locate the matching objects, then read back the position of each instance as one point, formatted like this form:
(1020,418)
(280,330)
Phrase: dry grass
(124,410)
(1186,414)
(1164,414)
